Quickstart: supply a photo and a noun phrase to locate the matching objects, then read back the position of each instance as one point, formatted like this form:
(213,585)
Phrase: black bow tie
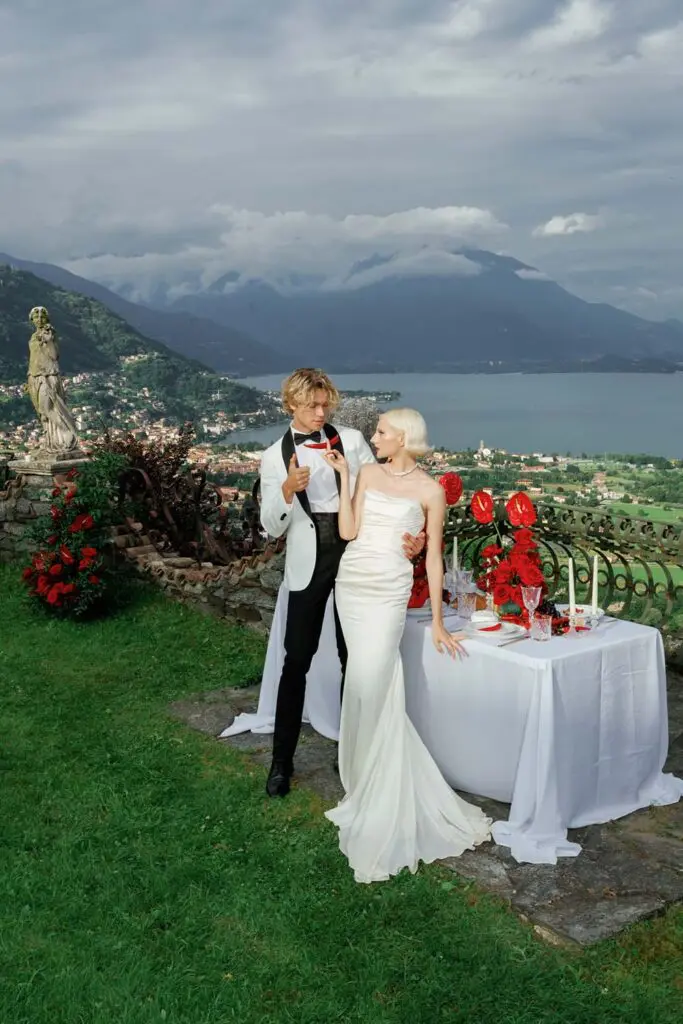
(302,438)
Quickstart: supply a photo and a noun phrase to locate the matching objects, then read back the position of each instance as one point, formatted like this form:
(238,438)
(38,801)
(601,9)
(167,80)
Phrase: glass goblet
(467,604)
(450,582)
(531,596)
(464,577)
(542,627)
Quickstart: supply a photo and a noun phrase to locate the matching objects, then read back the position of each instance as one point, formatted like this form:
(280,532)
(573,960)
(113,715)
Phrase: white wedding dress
(398,808)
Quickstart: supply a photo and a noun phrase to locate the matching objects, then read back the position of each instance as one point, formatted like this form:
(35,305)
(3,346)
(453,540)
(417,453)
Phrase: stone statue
(45,387)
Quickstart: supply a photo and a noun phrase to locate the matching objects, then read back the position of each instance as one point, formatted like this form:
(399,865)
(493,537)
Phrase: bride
(398,808)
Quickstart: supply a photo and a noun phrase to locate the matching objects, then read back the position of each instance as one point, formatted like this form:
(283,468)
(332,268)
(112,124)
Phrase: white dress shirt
(322,484)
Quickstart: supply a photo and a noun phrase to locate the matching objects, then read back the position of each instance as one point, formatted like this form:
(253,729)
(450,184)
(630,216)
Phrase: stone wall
(23,497)
(244,592)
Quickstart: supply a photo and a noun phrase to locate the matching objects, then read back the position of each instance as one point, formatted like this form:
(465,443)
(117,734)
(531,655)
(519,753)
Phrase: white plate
(426,609)
(581,609)
(507,630)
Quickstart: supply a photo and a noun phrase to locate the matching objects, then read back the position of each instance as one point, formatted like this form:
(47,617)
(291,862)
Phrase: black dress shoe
(277,783)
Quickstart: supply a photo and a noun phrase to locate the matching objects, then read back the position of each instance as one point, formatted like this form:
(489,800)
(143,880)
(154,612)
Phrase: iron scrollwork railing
(640,563)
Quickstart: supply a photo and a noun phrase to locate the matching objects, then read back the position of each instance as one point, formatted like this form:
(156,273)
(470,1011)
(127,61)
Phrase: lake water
(593,413)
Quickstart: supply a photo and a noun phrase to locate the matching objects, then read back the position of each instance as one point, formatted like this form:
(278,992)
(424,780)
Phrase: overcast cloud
(164,140)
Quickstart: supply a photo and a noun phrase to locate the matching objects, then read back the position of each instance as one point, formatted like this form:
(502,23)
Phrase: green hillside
(93,339)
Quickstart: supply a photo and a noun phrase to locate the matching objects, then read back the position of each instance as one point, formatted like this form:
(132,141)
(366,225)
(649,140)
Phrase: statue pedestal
(48,464)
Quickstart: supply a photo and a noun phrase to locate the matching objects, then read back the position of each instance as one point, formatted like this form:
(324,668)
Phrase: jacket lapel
(334,436)
(288,450)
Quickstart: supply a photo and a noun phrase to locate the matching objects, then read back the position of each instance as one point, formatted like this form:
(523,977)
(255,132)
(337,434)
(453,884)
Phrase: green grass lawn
(145,877)
(655,513)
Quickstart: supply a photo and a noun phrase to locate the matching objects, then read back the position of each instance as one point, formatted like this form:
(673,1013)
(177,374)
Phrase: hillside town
(108,400)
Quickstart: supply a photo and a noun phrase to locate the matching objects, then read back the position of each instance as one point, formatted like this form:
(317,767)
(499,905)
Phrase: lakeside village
(646,486)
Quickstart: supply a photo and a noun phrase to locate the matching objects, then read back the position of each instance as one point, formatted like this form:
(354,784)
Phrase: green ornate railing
(640,563)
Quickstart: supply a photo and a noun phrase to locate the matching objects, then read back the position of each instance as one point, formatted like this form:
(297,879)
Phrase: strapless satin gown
(398,808)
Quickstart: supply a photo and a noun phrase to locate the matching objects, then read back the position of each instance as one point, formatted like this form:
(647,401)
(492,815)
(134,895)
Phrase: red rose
(491,551)
(88,552)
(66,555)
(520,510)
(85,563)
(82,522)
(52,539)
(55,512)
(56,570)
(68,588)
(72,474)
(482,507)
(94,579)
(28,573)
(70,495)
(503,593)
(56,491)
(452,485)
(419,594)
(524,539)
(55,593)
(43,584)
(504,572)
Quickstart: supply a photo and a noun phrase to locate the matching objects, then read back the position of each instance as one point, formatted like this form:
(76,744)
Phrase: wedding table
(570,732)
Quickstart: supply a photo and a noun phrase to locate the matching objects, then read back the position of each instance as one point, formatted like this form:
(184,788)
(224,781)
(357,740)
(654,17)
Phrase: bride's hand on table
(446,643)
(336,460)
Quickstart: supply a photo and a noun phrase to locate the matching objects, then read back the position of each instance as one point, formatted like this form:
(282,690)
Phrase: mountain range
(216,345)
(92,338)
(464,310)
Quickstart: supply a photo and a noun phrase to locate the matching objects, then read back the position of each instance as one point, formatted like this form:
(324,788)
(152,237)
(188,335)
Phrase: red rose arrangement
(419,595)
(66,575)
(507,569)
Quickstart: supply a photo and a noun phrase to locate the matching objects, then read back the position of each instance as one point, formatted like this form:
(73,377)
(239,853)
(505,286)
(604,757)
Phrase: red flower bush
(452,485)
(482,507)
(68,576)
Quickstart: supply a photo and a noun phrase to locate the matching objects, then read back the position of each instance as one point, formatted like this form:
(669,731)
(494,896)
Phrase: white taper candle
(455,554)
(594,595)
(572,595)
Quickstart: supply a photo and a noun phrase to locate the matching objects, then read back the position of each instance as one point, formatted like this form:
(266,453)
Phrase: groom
(300,497)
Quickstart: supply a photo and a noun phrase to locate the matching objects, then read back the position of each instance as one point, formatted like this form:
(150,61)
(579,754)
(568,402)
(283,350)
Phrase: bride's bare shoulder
(430,486)
(433,492)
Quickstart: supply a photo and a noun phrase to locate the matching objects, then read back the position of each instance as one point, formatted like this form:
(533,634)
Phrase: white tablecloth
(570,732)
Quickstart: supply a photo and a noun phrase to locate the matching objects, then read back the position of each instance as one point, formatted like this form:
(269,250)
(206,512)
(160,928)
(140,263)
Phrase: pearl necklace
(405,471)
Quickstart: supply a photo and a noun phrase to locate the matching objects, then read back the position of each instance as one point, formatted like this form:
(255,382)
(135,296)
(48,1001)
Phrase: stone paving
(628,870)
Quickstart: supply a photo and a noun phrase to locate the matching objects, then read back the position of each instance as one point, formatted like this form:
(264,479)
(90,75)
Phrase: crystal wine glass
(532,598)
(450,582)
(464,580)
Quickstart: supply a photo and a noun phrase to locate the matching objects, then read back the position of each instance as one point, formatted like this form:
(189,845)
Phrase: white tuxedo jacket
(277,517)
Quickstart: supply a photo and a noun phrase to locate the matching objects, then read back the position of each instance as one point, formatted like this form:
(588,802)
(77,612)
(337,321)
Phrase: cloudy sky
(164,140)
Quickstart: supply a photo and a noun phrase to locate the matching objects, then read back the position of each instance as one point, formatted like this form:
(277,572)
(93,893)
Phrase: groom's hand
(297,480)
(413,546)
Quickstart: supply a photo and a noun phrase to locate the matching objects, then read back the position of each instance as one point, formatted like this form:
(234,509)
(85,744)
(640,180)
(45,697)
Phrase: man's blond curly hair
(301,385)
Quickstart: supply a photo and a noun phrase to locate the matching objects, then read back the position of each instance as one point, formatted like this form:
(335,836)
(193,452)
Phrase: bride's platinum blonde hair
(411,424)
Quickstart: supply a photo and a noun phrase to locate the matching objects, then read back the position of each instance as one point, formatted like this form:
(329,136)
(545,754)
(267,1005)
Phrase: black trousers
(305,614)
